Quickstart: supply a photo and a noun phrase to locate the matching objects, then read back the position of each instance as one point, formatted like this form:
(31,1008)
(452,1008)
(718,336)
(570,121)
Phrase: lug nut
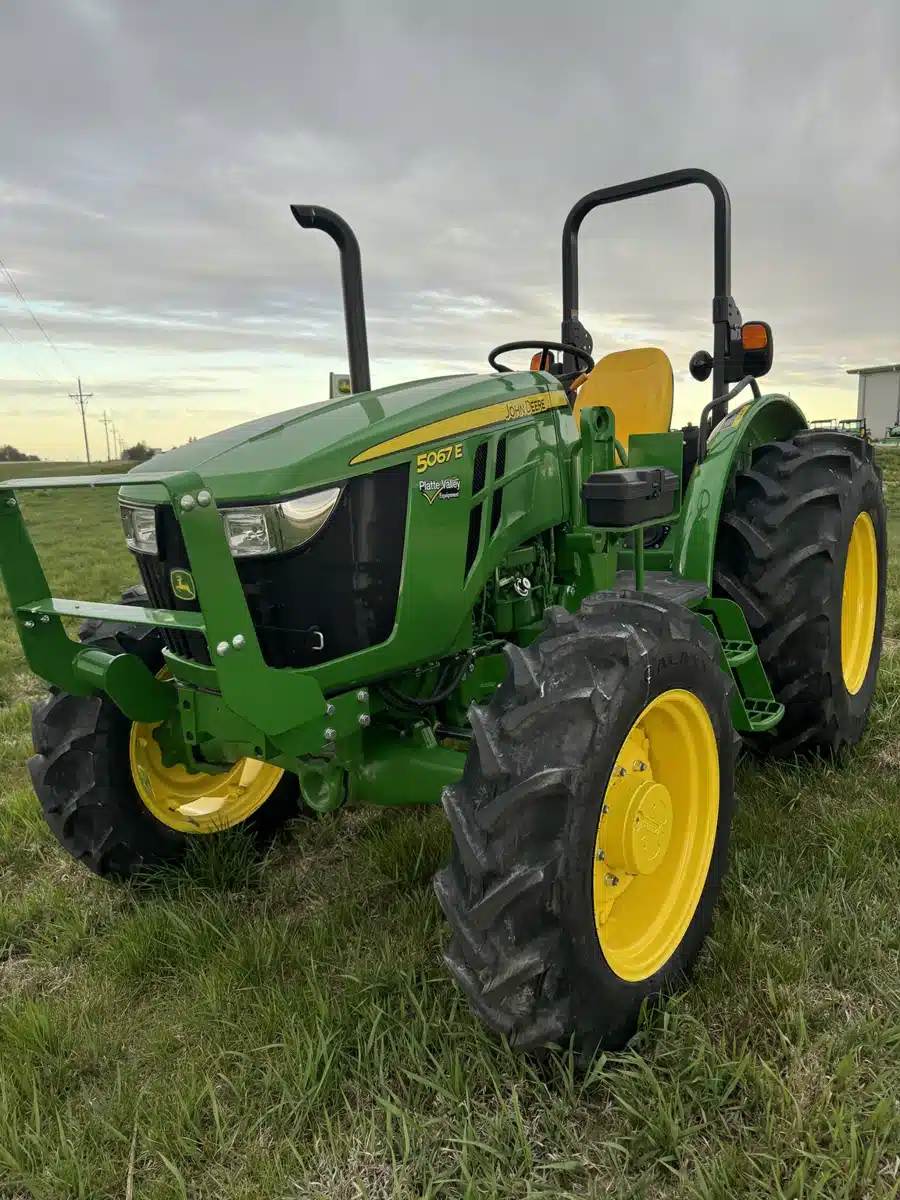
(45,620)
(601,855)
(329,709)
(188,502)
(238,641)
(203,498)
(612,881)
(604,810)
(365,720)
(222,649)
(11,502)
(362,695)
(28,624)
(330,734)
(639,766)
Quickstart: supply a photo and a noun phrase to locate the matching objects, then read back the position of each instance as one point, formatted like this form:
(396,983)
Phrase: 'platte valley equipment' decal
(439,489)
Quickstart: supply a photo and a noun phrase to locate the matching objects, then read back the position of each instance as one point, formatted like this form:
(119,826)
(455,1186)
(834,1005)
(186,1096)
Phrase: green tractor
(521,595)
(855,426)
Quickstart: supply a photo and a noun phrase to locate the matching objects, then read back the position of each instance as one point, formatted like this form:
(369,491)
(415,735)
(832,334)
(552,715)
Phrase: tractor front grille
(155,571)
(336,595)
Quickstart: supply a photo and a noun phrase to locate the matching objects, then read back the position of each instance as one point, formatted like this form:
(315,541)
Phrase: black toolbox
(629,496)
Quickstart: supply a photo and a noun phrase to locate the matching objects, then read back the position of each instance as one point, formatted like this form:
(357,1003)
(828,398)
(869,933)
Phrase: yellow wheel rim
(656,834)
(196,803)
(859,604)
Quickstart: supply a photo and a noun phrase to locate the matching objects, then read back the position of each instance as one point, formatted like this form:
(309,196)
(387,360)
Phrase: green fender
(766,419)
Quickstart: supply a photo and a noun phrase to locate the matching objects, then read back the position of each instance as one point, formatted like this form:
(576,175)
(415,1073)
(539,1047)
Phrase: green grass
(22,470)
(286,1030)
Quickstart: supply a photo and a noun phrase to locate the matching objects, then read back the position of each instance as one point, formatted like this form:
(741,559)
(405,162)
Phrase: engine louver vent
(500,460)
(474,538)
(479,470)
(496,509)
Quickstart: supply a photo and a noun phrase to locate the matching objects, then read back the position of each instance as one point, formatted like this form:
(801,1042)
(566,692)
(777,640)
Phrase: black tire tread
(780,556)
(509,950)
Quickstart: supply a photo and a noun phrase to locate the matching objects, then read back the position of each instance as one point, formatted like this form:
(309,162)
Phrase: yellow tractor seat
(637,385)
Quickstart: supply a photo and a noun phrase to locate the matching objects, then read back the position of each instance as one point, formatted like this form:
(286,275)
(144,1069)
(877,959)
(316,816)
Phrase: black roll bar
(725,314)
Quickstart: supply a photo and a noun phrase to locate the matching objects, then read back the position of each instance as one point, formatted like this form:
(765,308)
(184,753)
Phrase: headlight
(260,529)
(247,530)
(140,528)
(274,528)
(299,519)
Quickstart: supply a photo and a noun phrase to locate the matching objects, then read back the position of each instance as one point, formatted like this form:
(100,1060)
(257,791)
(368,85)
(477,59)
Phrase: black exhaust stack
(312,216)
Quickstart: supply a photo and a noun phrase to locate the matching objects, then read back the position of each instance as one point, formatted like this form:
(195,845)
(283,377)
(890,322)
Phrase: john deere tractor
(519,594)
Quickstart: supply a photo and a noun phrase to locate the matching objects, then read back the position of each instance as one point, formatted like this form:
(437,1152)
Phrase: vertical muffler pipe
(313,216)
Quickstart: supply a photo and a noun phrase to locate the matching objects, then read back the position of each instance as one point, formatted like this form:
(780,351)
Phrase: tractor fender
(765,419)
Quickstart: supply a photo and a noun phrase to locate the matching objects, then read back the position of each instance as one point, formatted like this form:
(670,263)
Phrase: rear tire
(82,775)
(781,554)
(519,893)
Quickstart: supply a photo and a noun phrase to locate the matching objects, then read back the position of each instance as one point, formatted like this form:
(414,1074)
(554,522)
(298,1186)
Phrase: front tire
(83,773)
(564,918)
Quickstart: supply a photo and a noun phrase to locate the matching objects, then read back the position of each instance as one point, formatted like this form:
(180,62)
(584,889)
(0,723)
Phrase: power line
(81,400)
(47,337)
(23,357)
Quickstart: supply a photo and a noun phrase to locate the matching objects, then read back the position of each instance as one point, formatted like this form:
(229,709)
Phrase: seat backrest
(637,385)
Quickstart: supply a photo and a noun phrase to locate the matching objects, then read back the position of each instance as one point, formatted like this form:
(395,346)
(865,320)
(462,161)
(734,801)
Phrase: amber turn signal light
(754,336)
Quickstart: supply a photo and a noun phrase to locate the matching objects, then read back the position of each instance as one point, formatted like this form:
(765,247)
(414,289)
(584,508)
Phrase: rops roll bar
(725,314)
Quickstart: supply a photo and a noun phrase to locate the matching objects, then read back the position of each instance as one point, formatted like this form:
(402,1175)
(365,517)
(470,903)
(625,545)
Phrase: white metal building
(878,401)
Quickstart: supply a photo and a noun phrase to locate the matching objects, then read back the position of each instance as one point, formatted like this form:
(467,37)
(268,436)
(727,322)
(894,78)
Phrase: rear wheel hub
(640,824)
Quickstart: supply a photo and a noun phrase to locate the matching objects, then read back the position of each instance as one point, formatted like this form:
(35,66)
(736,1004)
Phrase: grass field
(286,1030)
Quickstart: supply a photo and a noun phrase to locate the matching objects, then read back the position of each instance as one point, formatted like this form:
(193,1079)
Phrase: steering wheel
(577,353)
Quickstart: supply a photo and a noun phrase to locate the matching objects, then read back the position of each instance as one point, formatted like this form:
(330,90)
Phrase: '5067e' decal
(437,458)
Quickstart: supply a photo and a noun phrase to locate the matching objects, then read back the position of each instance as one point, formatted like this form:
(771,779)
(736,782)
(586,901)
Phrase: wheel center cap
(639,826)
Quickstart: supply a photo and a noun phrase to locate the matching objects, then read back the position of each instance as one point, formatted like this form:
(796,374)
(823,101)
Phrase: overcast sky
(149,153)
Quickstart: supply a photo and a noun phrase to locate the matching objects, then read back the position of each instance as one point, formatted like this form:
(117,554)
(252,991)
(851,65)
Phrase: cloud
(145,195)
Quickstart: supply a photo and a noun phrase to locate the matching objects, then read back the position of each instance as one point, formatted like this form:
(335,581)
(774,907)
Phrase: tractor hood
(306,447)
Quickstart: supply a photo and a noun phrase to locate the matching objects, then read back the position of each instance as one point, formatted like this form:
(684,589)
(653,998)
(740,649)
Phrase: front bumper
(286,707)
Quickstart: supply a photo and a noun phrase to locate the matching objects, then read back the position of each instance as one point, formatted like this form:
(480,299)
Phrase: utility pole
(81,400)
(117,442)
(106,424)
